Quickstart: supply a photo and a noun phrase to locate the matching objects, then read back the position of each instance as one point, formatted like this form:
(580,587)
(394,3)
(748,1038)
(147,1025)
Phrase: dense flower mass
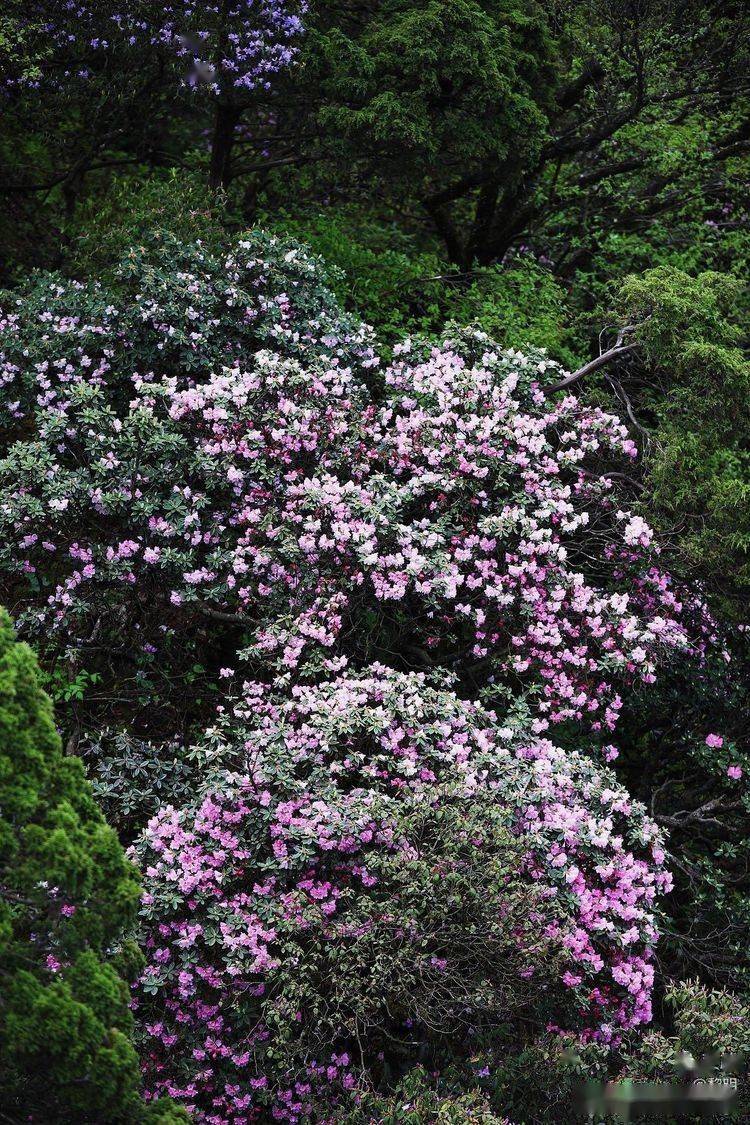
(173,310)
(239,45)
(290,934)
(207,464)
(215,451)
(384,762)
(522,557)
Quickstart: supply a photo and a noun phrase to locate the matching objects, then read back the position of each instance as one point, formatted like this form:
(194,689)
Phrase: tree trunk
(222,143)
(446,230)
(484,215)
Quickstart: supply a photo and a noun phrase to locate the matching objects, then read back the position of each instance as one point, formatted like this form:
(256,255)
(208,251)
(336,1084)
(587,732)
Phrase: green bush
(400,283)
(420,1100)
(66,894)
(692,391)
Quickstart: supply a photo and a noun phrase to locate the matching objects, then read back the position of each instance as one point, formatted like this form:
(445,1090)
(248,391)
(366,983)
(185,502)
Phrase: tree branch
(601,361)
(220,615)
(617,168)
(571,94)
(687,817)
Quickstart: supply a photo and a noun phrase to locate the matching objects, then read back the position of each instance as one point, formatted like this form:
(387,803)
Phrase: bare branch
(619,390)
(601,361)
(220,615)
(705,816)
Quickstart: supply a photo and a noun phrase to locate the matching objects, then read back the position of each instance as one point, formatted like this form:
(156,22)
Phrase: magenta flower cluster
(274,860)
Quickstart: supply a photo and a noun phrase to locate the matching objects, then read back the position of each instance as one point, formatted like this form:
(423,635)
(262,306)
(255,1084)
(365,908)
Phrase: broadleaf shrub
(132,778)
(170,309)
(252,489)
(373,869)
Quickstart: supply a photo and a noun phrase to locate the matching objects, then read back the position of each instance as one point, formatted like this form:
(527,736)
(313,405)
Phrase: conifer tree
(67,893)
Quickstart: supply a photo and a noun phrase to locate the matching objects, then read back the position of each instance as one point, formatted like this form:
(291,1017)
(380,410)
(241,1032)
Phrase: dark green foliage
(602,138)
(397,283)
(66,894)
(580,129)
(107,227)
(419,1100)
(426,89)
(666,761)
(131,779)
(539,1083)
(686,382)
(691,386)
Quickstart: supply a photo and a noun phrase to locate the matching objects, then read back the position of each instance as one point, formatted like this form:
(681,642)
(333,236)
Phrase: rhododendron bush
(394,603)
(239,45)
(170,309)
(213,459)
(373,865)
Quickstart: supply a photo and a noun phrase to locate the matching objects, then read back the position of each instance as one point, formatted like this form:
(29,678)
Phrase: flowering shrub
(504,551)
(175,496)
(238,46)
(374,867)
(172,310)
(462,518)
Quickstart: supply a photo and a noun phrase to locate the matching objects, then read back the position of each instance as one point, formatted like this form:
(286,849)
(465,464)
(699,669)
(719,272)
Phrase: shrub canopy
(216,469)
(372,871)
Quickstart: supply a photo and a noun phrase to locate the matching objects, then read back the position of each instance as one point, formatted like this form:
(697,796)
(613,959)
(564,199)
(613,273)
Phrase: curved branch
(594,365)
(220,615)
(607,474)
(701,816)
(619,390)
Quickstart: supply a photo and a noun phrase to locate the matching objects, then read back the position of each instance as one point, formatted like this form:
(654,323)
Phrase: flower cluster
(173,310)
(515,545)
(460,518)
(237,46)
(133,523)
(373,855)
